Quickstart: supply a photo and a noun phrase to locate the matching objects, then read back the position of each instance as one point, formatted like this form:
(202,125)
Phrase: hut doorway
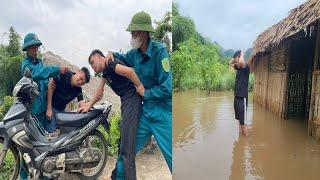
(300,67)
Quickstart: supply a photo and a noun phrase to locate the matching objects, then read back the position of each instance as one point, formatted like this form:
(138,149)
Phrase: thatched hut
(287,66)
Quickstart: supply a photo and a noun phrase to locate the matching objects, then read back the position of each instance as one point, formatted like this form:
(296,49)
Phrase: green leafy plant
(113,135)
(8,165)
(197,62)
(7,103)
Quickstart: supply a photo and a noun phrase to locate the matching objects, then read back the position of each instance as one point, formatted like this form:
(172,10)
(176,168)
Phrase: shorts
(240,109)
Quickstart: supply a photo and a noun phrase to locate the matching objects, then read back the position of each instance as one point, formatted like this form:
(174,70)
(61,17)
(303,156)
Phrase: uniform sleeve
(164,77)
(40,72)
(126,58)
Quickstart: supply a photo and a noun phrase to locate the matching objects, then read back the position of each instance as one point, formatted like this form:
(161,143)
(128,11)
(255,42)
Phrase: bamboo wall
(314,113)
(283,82)
(261,80)
(314,117)
(271,81)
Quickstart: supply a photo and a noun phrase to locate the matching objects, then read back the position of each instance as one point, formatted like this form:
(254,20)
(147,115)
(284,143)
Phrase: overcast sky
(235,24)
(72,28)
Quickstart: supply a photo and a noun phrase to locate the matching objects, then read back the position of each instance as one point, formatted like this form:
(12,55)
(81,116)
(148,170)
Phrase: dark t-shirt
(241,82)
(65,92)
(119,84)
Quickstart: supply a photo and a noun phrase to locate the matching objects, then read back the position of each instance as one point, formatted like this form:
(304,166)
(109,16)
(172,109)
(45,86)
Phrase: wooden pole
(311,128)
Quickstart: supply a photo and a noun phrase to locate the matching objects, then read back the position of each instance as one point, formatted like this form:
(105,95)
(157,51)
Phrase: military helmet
(141,21)
(29,40)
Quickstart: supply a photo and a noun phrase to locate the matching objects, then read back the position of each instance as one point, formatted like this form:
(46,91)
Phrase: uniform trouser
(130,113)
(23,173)
(155,120)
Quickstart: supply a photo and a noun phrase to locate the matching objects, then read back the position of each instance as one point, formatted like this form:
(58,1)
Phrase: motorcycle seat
(74,119)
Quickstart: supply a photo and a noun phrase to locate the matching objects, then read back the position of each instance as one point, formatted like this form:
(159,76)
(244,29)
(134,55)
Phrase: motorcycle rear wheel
(101,143)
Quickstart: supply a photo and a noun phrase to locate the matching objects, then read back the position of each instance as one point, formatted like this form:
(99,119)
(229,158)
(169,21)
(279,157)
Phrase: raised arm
(250,62)
(232,62)
(98,94)
(43,72)
(241,62)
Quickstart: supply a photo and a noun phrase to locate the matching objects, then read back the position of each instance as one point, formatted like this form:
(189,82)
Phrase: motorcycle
(80,148)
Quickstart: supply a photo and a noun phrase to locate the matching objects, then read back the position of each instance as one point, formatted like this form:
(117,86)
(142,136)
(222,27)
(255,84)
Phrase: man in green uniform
(40,75)
(152,65)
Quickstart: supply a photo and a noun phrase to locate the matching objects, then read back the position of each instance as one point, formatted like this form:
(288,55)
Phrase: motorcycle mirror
(27,73)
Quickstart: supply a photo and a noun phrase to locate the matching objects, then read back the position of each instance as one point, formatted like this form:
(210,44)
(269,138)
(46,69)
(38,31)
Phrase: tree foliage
(10,60)
(198,62)
(183,28)
(7,102)
(198,65)
(13,48)
(163,30)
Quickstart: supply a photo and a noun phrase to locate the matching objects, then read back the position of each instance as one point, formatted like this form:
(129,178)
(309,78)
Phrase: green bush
(7,103)
(8,165)
(251,82)
(8,162)
(223,81)
(9,74)
(10,61)
(198,62)
(113,135)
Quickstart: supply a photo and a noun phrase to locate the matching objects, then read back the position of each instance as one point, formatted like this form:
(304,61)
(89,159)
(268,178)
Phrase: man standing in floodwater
(241,89)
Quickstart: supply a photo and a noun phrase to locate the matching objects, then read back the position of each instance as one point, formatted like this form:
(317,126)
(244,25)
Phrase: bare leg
(244,130)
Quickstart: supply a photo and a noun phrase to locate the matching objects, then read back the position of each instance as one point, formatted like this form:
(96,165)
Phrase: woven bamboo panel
(314,119)
(270,85)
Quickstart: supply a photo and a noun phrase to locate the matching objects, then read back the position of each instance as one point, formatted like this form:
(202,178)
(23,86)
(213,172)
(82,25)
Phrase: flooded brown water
(207,145)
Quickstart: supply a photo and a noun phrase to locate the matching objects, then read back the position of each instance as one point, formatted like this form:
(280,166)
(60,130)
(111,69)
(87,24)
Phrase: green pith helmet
(141,21)
(29,40)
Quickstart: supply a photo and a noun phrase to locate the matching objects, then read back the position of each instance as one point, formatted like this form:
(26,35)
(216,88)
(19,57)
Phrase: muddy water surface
(207,145)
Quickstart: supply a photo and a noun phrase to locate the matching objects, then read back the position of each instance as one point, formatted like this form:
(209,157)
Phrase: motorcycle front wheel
(97,140)
(11,163)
